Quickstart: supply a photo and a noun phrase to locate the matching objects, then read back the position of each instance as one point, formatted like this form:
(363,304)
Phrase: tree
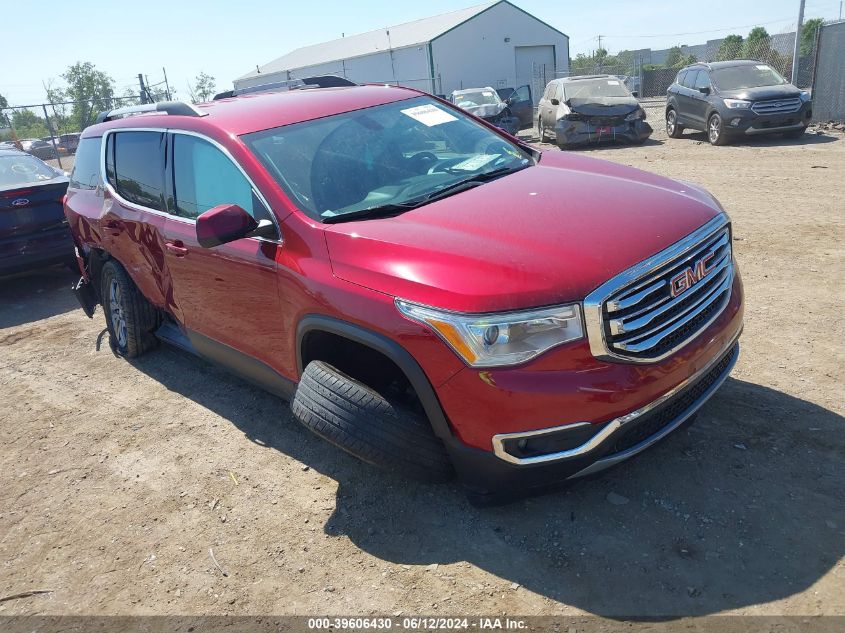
(809,32)
(674,57)
(3,102)
(730,48)
(757,45)
(92,91)
(28,125)
(203,89)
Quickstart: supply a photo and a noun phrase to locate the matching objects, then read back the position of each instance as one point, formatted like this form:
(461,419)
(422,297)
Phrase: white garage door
(535,66)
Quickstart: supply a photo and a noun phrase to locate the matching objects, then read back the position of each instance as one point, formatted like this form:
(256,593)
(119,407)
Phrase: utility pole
(599,39)
(797,50)
(143,88)
(166,85)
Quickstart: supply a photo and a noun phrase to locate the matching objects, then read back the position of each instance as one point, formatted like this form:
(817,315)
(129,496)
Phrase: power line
(729,28)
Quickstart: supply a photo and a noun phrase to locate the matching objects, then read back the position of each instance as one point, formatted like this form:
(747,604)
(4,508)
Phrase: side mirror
(705,90)
(555,102)
(227,223)
(635,93)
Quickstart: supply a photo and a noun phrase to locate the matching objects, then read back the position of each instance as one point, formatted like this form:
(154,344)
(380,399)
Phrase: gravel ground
(120,477)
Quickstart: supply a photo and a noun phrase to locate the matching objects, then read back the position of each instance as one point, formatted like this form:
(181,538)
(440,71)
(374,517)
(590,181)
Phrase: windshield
(469,98)
(397,153)
(595,89)
(24,169)
(742,77)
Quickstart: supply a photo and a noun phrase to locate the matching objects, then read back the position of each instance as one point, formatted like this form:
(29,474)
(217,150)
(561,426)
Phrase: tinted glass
(690,78)
(204,177)
(742,77)
(389,154)
(596,88)
(680,78)
(702,80)
(22,169)
(86,166)
(522,94)
(139,168)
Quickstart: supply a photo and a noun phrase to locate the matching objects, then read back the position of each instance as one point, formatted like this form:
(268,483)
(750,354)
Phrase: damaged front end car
(486,104)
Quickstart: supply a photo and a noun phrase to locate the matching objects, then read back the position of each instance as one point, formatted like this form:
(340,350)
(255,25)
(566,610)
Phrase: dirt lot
(119,477)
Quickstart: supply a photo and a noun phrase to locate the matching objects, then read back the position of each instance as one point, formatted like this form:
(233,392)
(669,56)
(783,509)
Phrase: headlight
(493,340)
(737,104)
(805,96)
(637,114)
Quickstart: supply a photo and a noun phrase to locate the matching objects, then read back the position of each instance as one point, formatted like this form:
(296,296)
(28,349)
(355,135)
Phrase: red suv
(434,295)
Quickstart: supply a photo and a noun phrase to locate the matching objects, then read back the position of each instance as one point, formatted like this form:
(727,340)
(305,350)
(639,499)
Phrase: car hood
(486,110)
(762,93)
(547,234)
(603,106)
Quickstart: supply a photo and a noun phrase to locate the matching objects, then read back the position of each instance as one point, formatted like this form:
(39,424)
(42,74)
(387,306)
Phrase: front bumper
(749,123)
(485,474)
(584,132)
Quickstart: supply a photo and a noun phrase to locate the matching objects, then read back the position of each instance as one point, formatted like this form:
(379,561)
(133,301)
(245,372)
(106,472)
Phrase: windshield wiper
(400,207)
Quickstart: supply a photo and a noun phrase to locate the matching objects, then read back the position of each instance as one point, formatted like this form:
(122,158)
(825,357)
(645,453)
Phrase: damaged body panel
(583,110)
(486,104)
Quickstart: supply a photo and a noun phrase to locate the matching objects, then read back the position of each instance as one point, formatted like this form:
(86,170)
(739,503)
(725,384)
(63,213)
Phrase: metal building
(494,44)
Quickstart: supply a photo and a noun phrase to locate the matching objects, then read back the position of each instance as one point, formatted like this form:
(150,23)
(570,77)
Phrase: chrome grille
(777,106)
(635,315)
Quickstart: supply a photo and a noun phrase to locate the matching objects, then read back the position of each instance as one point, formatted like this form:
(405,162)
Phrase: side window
(680,78)
(204,177)
(139,168)
(703,79)
(522,94)
(86,165)
(690,78)
(549,93)
(559,95)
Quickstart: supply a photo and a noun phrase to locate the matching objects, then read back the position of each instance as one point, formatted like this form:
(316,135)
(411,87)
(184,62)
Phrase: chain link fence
(829,78)
(51,131)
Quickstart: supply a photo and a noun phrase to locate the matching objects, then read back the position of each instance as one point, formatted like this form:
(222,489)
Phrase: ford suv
(434,296)
(735,99)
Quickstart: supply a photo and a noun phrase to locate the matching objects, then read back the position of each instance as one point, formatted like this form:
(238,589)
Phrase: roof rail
(319,81)
(167,107)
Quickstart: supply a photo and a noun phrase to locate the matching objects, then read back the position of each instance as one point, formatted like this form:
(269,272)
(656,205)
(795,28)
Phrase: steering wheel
(418,161)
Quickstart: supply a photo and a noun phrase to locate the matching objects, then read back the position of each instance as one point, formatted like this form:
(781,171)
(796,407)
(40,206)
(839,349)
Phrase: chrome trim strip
(614,459)
(593,318)
(170,216)
(614,425)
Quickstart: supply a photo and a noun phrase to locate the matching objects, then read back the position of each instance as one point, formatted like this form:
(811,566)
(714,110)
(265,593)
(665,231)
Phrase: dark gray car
(734,99)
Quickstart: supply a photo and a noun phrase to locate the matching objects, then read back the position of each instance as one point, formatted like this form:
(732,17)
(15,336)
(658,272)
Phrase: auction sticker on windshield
(476,162)
(429,115)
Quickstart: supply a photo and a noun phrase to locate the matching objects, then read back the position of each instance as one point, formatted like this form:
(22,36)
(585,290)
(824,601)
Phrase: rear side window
(204,177)
(86,165)
(690,78)
(136,167)
(680,78)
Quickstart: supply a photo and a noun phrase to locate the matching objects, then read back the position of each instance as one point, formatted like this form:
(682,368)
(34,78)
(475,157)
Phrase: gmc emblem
(688,277)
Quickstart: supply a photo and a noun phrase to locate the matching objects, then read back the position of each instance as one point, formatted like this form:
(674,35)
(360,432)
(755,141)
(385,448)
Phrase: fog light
(735,122)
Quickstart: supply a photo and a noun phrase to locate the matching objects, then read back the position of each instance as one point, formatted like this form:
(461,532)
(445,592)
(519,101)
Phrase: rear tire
(673,128)
(355,418)
(130,318)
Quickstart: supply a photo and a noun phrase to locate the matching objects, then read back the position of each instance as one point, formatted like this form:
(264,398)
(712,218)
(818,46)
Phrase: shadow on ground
(775,140)
(741,508)
(36,295)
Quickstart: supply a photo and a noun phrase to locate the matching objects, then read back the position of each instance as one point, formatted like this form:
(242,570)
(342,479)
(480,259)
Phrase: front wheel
(715,130)
(541,130)
(673,128)
(357,419)
(130,318)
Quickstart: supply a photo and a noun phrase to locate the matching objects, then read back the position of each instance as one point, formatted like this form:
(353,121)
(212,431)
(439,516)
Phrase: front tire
(673,128)
(716,131)
(541,130)
(355,418)
(130,318)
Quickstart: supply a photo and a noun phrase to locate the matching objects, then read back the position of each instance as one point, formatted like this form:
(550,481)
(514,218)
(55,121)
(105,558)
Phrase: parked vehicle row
(512,113)
(435,296)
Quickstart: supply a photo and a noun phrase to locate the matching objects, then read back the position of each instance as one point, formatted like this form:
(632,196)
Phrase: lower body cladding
(587,131)
(47,247)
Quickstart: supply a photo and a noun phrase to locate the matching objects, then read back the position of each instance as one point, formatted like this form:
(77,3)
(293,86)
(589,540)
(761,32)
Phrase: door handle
(176,247)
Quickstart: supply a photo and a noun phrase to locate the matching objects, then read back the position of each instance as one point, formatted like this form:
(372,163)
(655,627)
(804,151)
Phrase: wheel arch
(322,325)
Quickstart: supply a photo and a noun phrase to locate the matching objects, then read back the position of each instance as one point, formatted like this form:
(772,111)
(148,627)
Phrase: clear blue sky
(227,38)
